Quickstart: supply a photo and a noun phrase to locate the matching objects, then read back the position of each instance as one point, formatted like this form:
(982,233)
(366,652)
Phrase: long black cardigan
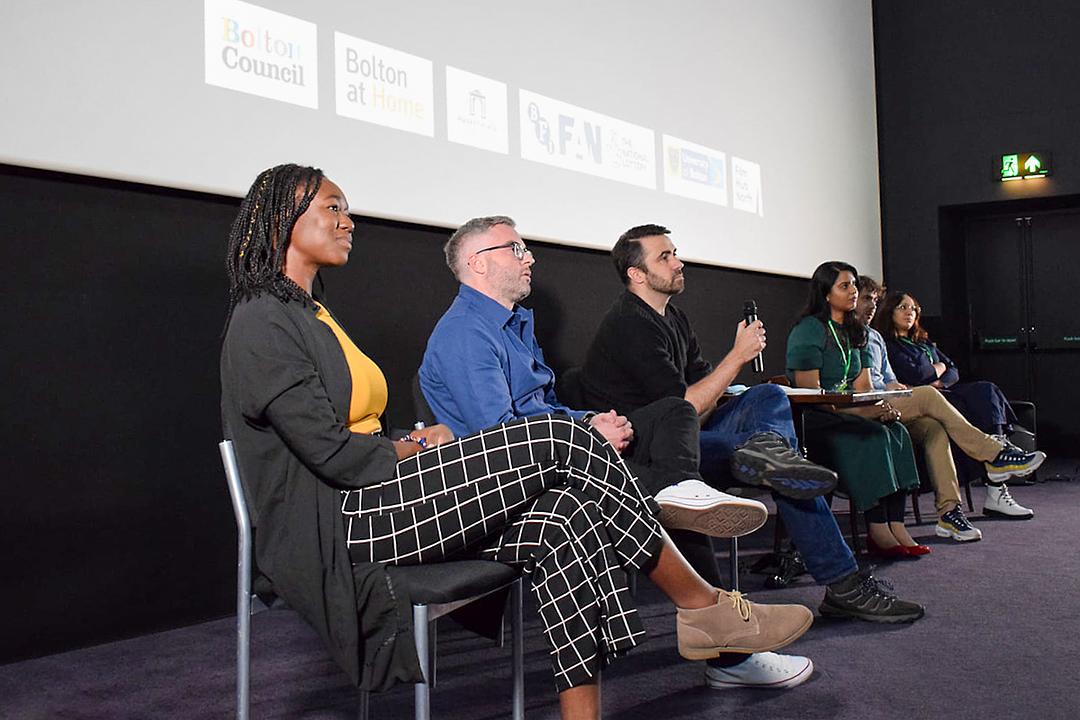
(285,391)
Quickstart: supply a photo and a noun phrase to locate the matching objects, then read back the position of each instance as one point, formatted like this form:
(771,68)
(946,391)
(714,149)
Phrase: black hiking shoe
(864,597)
(767,460)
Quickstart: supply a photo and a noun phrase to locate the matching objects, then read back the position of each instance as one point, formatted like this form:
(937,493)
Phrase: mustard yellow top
(369,392)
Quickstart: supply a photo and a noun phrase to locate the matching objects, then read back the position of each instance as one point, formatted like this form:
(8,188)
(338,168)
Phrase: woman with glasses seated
(867,446)
(918,361)
(334,501)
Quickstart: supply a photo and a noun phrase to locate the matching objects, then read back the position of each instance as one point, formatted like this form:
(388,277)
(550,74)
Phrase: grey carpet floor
(999,640)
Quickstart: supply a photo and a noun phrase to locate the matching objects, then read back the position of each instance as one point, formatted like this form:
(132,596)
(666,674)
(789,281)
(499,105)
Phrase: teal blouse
(812,346)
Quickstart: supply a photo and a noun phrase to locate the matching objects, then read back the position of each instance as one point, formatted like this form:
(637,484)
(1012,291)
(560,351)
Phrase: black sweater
(285,390)
(639,356)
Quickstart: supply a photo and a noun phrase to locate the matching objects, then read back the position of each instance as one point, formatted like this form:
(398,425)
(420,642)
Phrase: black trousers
(546,493)
(666,450)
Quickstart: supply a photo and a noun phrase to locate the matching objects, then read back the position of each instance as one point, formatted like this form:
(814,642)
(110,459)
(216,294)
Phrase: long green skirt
(873,459)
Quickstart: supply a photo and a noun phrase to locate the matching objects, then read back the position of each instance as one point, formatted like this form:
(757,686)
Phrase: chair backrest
(236,487)
(239,503)
(421,410)
(568,389)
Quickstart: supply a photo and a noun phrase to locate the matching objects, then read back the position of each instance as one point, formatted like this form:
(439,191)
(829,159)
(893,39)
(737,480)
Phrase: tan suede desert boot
(734,624)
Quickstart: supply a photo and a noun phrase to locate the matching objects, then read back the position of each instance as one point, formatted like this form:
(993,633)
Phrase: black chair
(1024,434)
(925,486)
(435,590)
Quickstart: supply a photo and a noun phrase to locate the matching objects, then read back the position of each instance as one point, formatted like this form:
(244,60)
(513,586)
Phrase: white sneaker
(693,505)
(1000,502)
(761,671)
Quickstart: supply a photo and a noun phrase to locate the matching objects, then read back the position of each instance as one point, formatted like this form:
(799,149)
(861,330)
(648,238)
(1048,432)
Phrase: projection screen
(747,128)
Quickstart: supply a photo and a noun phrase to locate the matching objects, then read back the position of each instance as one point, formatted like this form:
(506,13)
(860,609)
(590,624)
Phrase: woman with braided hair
(334,502)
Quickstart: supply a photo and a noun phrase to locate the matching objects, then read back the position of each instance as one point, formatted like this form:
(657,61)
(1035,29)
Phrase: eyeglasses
(904,307)
(519,249)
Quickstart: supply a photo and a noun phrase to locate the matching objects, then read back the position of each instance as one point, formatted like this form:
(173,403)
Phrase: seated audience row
(566,494)
(333,501)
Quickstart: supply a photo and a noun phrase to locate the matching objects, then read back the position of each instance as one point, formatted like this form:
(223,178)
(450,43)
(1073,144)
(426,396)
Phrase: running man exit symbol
(1010,166)
(1022,166)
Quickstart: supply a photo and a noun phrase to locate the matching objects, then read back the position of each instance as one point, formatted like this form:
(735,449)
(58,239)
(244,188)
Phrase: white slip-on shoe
(761,671)
(693,505)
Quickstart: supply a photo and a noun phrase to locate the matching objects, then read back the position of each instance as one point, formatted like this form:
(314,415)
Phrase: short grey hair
(452,248)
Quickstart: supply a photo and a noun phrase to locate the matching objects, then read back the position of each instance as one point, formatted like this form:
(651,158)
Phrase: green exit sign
(1021,166)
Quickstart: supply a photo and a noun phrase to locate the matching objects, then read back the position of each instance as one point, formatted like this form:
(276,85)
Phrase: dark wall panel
(957,83)
(115,519)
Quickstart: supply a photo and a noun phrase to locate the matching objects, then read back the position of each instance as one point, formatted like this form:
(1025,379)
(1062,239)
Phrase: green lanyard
(926,350)
(846,352)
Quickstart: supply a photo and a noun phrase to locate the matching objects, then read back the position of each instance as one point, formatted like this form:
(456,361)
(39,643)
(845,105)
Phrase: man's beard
(514,286)
(674,286)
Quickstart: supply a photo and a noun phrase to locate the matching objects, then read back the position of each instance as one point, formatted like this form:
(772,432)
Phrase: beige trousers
(932,421)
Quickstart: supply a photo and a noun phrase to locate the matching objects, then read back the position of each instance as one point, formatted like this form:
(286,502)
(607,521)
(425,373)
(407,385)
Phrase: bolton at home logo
(262,52)
(383,85)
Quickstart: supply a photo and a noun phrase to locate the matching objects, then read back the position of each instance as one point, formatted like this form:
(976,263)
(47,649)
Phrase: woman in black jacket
(333,501)
(917,360)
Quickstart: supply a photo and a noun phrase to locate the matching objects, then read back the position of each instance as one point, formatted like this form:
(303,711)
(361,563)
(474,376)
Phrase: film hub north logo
(261,52)
(574,138)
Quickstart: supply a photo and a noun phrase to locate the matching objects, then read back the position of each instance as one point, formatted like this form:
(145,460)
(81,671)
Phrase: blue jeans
(810,523)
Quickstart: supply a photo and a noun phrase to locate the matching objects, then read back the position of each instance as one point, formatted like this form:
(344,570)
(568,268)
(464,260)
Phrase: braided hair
(260,234)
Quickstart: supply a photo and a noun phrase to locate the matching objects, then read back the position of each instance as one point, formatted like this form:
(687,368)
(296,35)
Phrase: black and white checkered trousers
(545,493)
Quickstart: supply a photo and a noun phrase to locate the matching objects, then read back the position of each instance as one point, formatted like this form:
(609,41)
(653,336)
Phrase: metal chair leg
(433,660)
(735,564)
(517,639)
(243,579)
(243,637)
(365,696)
(854,516)
(422,691)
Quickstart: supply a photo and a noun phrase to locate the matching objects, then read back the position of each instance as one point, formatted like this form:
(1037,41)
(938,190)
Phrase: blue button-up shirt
(483,366)
(881,372)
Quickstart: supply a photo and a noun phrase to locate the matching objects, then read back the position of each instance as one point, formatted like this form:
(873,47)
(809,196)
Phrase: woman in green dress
(866,446)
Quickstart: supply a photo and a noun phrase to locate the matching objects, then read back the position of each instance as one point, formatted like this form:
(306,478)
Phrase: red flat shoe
(916,550)
(896,552)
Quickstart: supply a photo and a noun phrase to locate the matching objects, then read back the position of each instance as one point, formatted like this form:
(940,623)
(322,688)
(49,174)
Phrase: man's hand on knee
(615,428)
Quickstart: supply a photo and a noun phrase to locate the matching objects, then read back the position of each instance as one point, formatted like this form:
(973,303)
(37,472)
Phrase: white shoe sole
(946,533)
(723,518)
(1000,477)
(797,679)
(1009,516)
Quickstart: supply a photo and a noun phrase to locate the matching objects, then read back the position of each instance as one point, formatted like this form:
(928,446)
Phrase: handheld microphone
(750,315)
